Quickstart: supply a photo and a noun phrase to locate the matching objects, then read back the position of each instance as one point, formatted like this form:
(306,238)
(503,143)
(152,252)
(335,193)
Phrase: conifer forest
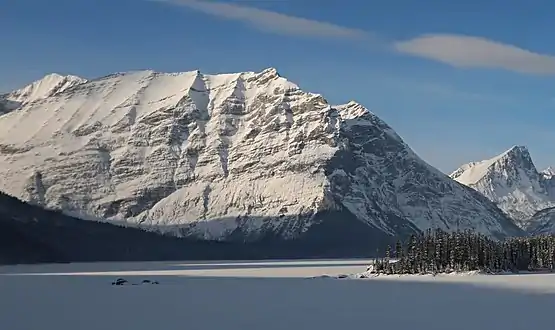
(436,251)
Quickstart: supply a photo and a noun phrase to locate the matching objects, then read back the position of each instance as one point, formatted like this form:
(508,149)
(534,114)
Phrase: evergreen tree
(438,251)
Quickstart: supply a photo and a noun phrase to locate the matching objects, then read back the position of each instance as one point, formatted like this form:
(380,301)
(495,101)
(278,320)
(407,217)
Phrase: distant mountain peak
(518,153)
(515,157)
(549,172)
(512,181)
(517,149)
(519,156)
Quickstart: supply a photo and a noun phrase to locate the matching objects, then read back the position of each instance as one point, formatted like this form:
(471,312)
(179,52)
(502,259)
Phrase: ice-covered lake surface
(266,296)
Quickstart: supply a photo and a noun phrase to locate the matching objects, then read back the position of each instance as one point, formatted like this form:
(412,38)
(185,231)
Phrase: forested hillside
(439,252)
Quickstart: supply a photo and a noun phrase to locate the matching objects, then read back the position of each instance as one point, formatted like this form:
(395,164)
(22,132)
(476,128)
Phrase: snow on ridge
(548,173)
(512,181)
(47,86)
(54,83)
(211,115)
(362,116)
(471,173)
(205,155)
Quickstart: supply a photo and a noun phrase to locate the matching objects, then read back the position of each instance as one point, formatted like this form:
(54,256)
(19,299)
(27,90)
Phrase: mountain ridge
(226,156)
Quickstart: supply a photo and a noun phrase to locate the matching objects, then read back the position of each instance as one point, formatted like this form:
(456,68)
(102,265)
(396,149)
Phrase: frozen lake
(265,295)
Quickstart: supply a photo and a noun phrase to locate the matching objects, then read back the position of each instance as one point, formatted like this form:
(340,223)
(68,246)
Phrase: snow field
(266,295)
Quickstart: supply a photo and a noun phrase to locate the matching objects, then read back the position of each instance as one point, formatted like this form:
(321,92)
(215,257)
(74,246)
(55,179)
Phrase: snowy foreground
(266,296)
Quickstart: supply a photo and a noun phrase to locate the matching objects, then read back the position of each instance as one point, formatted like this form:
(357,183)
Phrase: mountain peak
(52,75)
(56,78)
(237,156)
(353,109)
(47,86)
(270,71)
(512,181)
(516,151)
(517,156)
(549,172)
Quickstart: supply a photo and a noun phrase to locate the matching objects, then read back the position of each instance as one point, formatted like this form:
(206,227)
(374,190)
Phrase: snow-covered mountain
(512,181)
(242,156)
(548,173)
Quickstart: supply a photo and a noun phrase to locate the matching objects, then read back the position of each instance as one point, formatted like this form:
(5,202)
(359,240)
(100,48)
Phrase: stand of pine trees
(441,252)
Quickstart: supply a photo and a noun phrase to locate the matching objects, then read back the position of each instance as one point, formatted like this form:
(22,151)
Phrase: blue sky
(459,81)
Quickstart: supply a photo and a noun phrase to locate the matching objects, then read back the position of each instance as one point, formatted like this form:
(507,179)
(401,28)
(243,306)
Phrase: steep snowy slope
(50,85)
(243,156)
(511,181)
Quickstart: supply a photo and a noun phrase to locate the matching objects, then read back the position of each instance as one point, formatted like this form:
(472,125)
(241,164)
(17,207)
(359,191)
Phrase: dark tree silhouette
(440,252)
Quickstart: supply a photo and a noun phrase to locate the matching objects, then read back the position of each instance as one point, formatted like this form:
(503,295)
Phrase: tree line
(436,251)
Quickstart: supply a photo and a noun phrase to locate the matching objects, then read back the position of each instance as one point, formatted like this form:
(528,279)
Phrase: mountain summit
(512,181)
(514,158)
(48,86)
(243,156)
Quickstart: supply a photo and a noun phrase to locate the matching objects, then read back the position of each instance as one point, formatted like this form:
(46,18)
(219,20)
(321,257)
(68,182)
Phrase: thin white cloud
(467,51)
(455,50)
(270,21)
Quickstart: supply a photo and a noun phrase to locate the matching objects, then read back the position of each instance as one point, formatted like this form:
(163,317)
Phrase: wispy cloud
(455,50)
(270,21)
(466,51)
(438,90)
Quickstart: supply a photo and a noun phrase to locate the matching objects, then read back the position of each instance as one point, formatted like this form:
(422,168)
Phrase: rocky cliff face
(512,181)
(244,156)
